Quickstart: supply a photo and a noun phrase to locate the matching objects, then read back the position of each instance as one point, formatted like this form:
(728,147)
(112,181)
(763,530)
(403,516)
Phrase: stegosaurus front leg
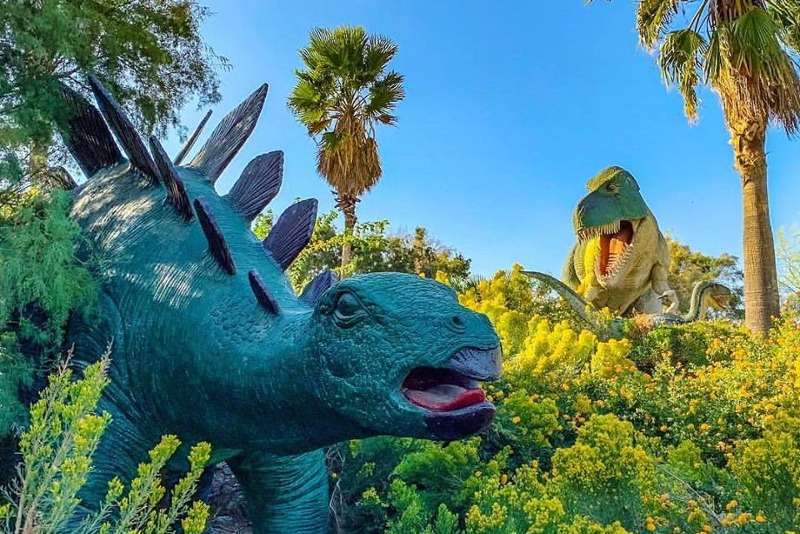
(284,494)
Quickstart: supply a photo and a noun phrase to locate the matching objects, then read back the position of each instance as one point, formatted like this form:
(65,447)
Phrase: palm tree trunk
(762,301)
(347,205)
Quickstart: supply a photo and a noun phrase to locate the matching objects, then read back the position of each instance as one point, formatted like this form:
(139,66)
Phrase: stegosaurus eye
(347,306)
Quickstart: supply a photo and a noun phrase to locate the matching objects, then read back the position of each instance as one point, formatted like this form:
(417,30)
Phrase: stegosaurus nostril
(210,342)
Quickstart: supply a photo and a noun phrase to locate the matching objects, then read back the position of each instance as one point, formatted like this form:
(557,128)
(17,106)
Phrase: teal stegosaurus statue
(211,343)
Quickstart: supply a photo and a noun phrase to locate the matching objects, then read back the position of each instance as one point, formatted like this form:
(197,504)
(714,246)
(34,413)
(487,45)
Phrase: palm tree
(342,92)
(743,50)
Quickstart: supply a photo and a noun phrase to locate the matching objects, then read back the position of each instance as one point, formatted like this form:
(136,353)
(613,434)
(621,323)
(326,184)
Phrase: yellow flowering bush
(690,429)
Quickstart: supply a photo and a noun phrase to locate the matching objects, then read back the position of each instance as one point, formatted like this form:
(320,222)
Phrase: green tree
(789,258)
(375,251)
(690,266)
(149,53)
(742,49)
(341,94)
(41,281)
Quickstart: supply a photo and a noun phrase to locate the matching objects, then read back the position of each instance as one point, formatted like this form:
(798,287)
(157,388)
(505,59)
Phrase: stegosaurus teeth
(217,245)
(258,185)
(176,191)
(132,144)
(229,136)
(192,139)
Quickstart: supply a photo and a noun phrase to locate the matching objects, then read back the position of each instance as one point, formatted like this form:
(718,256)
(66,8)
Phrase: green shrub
(56,452)
(41,281)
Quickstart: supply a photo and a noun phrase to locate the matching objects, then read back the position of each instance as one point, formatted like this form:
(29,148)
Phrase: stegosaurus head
(375,354)
(401,356)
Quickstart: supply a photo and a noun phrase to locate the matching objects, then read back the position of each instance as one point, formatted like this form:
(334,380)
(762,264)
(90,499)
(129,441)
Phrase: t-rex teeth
(86,135)
(176,191)
(257,186)
(126,134)
(318,286)
(192,139)
(229,136)
(292,232)
(262,293)
(217,245)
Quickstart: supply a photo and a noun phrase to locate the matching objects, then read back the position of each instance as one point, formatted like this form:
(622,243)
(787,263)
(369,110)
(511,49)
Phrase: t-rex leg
(284,494)
(647,304)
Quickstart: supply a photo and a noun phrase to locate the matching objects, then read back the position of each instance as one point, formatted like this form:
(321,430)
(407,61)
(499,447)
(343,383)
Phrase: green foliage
(374,250)
(690,266)
(57,450)
(788,252)
(41,281)
(690,429)
(150,53)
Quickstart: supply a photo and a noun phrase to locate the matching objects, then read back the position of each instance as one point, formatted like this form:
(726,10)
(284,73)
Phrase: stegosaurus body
(210,342)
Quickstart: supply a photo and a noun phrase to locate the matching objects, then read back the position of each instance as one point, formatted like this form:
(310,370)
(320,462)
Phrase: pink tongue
(445,397)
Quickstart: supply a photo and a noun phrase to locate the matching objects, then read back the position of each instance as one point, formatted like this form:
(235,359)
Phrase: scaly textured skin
(194,354)
(637,282)
(706,295)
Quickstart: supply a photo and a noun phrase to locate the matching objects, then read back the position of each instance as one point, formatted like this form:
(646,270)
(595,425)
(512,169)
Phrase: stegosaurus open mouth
(441,390)
(454,403)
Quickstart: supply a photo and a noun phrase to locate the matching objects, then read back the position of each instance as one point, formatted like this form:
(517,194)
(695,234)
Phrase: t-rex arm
(662,289)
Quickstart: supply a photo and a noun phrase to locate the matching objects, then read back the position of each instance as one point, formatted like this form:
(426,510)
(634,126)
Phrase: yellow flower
(515,419)
(731,505)
(760,517)
(478,474)
(503,478)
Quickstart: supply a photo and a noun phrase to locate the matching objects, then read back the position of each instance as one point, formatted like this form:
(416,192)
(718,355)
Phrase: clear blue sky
(511,107)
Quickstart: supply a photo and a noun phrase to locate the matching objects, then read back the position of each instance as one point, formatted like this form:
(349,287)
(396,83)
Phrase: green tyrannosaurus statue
(621,260)
(210,342)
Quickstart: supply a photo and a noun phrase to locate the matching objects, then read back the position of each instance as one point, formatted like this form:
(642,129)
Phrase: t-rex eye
(612,187)
(347,307)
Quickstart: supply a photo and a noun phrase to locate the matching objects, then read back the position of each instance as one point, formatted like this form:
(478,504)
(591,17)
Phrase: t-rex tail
(581,307)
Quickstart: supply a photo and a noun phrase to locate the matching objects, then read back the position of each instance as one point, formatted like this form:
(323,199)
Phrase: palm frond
(384,96)
(680,58)
(653,18)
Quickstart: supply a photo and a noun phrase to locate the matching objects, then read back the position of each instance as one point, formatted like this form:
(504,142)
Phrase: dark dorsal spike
(86,134)
(176,191)
(192,139)
(229,136)
(131,143)
(318,286)
(292,232)
(257,186)
(262,293)
(216,241)
(60,178)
